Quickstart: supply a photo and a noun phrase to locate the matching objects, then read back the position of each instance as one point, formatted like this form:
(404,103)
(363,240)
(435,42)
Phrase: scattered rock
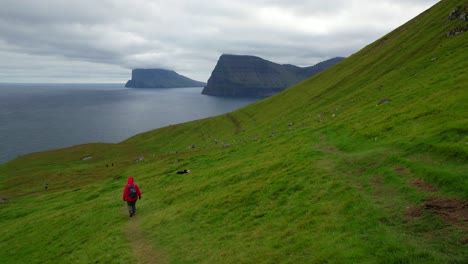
(433,59)
(141,158)
(454,13)
(183,172)
(4,200)
(216,141)
(383,101)
(290,124)
(457,31)
(191,146)
(460,13)
(464,17)
(87,157)
(226,145)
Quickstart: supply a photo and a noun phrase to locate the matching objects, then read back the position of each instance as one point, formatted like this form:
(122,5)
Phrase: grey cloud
(188,35)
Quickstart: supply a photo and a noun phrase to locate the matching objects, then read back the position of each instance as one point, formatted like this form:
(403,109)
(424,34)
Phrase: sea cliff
(159,78)
(242,75)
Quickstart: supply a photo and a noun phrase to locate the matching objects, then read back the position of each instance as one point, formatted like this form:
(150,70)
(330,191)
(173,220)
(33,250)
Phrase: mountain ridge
(246,75)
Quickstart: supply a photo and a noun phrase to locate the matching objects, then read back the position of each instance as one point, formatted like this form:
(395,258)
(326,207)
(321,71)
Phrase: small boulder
(454,13)
(383,101)
(87,157)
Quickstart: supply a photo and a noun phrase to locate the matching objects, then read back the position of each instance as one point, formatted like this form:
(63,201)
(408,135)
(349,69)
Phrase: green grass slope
(321,173)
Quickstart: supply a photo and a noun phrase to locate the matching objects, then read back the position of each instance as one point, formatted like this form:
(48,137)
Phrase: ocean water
(38,117)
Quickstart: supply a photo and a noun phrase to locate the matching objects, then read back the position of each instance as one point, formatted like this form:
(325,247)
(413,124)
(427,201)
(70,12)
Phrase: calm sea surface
(38,117)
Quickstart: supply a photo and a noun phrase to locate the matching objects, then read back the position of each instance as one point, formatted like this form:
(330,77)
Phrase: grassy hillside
(327,171)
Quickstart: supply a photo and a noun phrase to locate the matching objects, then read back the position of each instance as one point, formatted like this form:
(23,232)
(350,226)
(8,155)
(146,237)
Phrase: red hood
(130,180)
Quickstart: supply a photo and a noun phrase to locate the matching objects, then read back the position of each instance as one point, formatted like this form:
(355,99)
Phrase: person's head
(130,180)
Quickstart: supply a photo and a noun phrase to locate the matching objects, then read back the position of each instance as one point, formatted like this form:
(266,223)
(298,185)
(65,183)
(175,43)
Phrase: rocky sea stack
(242,76)
(159,78)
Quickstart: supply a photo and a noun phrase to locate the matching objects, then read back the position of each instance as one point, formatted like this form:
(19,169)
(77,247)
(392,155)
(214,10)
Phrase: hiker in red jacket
(131,194)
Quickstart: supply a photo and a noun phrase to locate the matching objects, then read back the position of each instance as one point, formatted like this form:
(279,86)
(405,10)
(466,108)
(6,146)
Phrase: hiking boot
(131,214)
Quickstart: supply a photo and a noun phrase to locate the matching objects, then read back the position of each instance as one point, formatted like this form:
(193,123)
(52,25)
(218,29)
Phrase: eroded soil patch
(453,211)
(401,171)
(413,212)
(422,185)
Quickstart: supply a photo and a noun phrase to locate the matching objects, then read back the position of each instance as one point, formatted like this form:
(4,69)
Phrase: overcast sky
(102,40)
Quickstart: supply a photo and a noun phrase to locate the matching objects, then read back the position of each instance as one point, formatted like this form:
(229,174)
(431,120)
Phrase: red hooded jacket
(125,192)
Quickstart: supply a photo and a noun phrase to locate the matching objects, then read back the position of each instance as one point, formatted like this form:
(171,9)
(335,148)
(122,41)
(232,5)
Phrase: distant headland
(242,75)
(159,78)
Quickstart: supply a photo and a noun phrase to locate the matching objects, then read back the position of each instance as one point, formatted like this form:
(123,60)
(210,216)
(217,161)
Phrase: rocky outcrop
(459,17)
(241,75)
(159,78)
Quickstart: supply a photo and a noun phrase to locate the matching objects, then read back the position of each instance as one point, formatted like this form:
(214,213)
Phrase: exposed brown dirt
(377,181)
(453,211)
(323,146)
(401,171)
(422,185)
(332,149)
(413,212)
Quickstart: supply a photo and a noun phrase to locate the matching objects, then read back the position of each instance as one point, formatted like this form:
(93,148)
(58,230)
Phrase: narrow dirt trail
(142,249)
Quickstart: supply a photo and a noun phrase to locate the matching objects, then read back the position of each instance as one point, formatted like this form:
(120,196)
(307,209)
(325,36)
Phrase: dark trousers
(131,207)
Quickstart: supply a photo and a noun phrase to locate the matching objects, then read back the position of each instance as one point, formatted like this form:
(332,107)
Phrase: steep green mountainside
(365,162)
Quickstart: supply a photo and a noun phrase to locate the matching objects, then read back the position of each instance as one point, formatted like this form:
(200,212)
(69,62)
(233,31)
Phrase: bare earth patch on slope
(401,171)
(325,146)
(412,212)
(422,185)
(453,211)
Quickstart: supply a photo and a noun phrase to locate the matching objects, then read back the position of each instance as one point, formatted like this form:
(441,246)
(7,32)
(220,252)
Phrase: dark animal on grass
(183,172)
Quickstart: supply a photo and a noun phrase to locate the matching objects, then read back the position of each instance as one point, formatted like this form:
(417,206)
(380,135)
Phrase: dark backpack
(132,191)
